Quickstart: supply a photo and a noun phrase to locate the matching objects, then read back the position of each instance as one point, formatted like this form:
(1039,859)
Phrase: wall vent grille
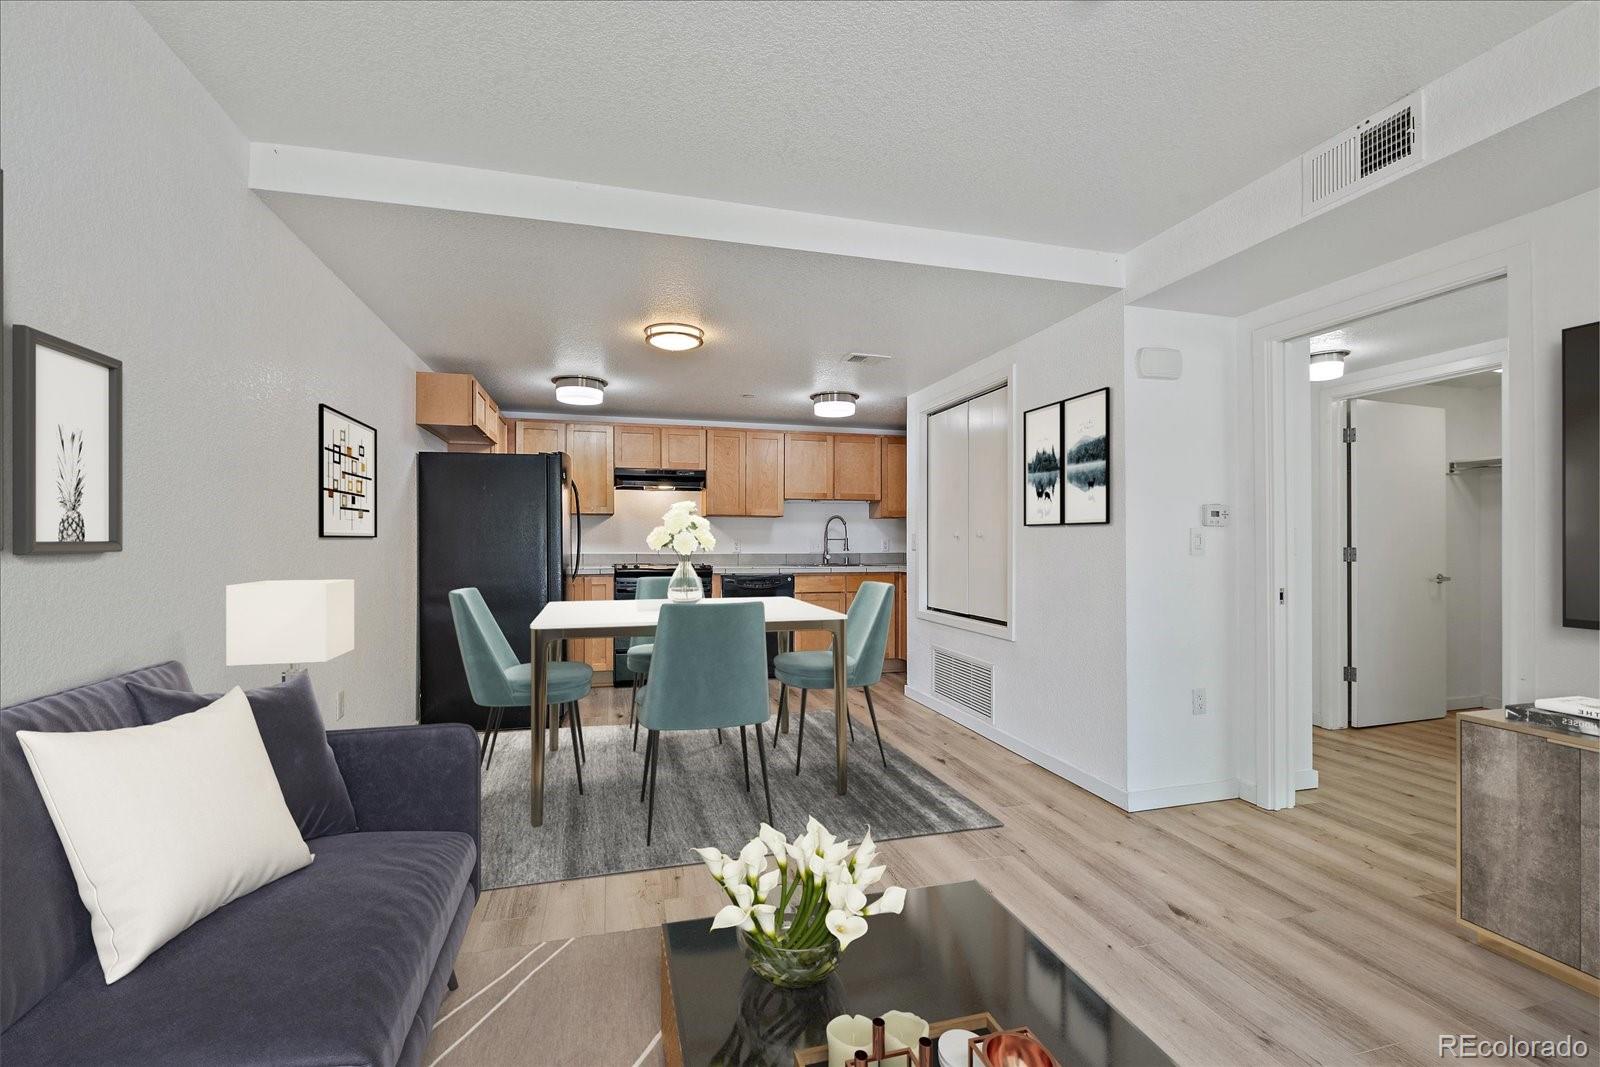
(1371,151)
(866,357)
(967,683)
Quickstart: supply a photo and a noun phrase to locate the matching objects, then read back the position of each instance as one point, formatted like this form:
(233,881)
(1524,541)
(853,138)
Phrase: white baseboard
(1463,703)
(1172,796)
(1306,779)
(1059,767)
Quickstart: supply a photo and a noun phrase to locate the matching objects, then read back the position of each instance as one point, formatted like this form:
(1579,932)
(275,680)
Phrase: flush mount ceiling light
(674,336)
(1329,364)
(834,405)
(579,389)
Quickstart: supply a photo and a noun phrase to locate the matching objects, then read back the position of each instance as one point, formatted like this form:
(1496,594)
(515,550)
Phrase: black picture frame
(1106,519)
(25,342)
(323,411)
(1061,436)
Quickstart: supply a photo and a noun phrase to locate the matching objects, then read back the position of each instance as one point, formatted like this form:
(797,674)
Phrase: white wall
(129,229)
(1177,456)
(1472,539)
(1060,677)
(798,530)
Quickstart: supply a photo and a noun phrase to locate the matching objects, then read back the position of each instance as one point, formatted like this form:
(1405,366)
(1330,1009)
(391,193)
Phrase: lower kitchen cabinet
(597,652)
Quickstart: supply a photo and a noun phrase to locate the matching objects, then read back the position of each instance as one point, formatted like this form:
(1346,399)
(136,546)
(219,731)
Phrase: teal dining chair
(708,672)
(640,648)
(866,630)
(498,680)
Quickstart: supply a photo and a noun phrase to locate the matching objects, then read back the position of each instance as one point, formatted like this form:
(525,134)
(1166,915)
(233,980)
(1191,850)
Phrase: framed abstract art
(347,475)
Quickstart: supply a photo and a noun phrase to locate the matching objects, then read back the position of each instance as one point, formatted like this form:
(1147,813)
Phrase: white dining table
(573,620)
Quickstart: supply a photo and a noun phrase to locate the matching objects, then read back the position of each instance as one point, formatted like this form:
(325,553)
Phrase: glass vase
(684,586)
(790,968)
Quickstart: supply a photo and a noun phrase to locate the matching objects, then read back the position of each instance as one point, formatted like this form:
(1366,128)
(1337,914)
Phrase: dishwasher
(744,585)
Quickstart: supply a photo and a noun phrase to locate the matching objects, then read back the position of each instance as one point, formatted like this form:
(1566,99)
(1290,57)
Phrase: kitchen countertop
(779,568)
(755,563)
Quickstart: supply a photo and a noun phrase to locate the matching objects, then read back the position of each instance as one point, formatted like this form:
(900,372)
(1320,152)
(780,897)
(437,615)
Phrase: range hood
(659,478)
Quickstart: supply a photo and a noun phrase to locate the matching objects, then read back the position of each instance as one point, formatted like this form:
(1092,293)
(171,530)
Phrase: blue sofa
(343,963)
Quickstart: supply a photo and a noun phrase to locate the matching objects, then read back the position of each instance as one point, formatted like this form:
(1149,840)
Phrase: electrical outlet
(1197,702)
(736,546)
(341,704)
(1197,541)
(885,544)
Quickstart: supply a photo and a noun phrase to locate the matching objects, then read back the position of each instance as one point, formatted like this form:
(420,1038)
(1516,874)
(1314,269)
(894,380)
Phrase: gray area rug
(700,801)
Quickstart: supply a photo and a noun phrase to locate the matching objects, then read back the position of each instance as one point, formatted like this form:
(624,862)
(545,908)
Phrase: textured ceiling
(1461,317)
(515,302)
(1095,125)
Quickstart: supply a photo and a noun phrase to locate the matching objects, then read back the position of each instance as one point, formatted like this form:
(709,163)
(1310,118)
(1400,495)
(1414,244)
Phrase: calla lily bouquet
(683,529)
(798,894)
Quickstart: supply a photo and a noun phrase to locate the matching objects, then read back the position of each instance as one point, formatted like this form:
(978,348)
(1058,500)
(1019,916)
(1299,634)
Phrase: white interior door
(947,510)
(989,504)
(1397,610)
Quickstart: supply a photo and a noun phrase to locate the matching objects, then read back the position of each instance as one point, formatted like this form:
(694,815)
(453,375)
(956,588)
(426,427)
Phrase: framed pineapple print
(67,423)
(347,472)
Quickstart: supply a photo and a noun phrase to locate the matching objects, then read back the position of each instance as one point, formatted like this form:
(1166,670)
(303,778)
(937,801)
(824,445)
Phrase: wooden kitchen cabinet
(533,436)
(763,472)
(857,466)
(825,591)
(597,652)
(808,466)
(636,446)
(891,502)
(900,616)
(683,448)
(725,472)
(456,409)
(589,449)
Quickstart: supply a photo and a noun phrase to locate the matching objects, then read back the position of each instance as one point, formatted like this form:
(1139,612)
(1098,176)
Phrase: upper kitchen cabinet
(857,467)
(536,436)
(683,448)
(891,502)
(763,472)
(456,409)
(725,460)
(808,466)
(637,446)
(593,473)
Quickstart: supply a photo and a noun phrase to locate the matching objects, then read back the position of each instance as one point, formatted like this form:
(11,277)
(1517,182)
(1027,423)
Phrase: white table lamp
(290,622)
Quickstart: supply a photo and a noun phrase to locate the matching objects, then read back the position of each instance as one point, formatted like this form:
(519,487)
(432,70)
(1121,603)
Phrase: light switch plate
(1197,541)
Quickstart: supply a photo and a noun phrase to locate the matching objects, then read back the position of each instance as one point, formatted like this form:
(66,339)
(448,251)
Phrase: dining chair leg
(744,751)
(867,690)
(633,712)
(577,755)
(488,732)
(850,721)
(577,717)
(719,735)
(649,745)
(783,711)
(800,737)
(655,761)
(494,737)
(761,751)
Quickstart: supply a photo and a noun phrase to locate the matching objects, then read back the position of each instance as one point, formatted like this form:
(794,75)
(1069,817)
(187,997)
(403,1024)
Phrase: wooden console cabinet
(1528,844)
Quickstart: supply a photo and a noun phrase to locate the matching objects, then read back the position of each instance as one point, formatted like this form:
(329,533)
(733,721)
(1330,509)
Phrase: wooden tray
(981,1023)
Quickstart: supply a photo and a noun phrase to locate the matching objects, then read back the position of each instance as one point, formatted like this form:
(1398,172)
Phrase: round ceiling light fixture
(834,405)
(1328,364)
(674,336)
(579,389)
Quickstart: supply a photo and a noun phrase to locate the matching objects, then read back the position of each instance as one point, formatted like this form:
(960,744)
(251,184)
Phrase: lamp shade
(296,621)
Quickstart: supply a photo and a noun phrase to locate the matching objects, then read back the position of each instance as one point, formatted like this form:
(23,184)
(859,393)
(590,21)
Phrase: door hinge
(1280,594)
(1349,435)
(1349,554)
(1349,674)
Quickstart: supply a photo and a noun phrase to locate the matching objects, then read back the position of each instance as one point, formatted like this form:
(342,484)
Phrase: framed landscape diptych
(347,472)
(1041,466)
(67,426)
(1086,436)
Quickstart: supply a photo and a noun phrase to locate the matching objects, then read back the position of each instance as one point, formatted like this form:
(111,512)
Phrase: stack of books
(1572,715)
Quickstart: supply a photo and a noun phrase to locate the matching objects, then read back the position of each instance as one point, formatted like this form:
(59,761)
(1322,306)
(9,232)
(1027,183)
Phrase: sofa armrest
(412,778)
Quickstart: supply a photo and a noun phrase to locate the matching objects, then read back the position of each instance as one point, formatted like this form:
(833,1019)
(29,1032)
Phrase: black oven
(624,581)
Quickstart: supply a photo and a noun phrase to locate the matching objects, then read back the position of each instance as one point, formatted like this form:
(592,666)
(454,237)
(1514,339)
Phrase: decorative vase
(684,586)
(790,968)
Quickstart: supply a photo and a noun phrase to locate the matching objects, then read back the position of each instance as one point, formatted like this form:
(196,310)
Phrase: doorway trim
(1329,621)
(1277,644)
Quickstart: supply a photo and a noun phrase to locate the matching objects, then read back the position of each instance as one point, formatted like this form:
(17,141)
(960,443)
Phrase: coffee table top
(953,952)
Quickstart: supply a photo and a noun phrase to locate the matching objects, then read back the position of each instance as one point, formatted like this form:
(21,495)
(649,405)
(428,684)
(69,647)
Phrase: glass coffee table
(953,952)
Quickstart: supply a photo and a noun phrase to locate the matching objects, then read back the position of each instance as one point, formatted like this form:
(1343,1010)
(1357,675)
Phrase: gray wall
(129,229)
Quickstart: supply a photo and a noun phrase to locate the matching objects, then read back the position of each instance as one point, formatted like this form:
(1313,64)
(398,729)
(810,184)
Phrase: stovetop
(647,570)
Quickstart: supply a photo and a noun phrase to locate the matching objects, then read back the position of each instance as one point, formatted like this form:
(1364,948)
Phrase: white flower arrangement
(684,530)
(816,888)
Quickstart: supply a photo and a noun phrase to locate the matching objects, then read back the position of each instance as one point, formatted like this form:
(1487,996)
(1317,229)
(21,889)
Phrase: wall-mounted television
(1580,476)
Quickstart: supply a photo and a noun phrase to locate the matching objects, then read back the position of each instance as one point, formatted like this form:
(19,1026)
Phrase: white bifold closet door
(947,510)
(1397,610)
(969,507)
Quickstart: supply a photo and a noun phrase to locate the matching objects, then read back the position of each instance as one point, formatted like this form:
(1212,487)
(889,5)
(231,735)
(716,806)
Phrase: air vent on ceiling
(866,357)
(1371,151)
(964,682)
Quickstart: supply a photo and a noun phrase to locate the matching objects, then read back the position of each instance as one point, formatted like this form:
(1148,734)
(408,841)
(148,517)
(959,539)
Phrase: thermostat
(1213,514)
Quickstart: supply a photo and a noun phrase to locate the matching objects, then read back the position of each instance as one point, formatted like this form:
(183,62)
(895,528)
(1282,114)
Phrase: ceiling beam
(380,179)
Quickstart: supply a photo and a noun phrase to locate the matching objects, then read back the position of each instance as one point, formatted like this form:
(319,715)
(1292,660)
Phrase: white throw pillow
(164,824)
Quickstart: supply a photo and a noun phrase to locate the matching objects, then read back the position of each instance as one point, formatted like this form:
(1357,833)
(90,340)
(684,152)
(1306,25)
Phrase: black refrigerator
(499,523)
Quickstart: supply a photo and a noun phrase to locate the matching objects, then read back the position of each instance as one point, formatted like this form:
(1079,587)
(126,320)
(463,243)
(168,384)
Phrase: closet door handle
(1440,579)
